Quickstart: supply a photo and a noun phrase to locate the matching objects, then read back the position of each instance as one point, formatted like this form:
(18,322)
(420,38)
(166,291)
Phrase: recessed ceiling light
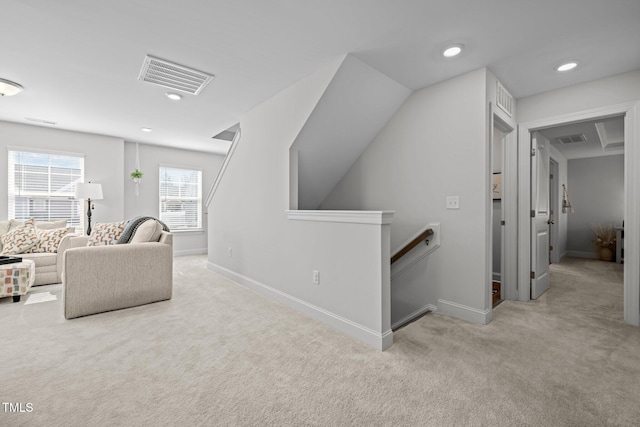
(173,96)
(452,51)
(8,88)
(146,129)
(568,66)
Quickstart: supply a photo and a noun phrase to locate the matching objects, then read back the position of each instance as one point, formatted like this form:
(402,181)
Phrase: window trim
(42,151)
(200,227)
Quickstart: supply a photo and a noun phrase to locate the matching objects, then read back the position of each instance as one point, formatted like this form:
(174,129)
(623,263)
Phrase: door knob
(551,221)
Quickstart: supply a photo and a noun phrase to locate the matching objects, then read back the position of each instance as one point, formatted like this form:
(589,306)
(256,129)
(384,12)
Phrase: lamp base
(88,217)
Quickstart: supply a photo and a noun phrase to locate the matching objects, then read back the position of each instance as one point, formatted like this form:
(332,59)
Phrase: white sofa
(48,264)
(105,278)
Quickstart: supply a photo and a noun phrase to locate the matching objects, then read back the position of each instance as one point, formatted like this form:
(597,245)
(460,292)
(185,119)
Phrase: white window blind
(42,186)
(181,198)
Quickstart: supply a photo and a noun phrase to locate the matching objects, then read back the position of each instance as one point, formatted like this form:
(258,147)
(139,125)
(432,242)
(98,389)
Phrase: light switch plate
(453,202)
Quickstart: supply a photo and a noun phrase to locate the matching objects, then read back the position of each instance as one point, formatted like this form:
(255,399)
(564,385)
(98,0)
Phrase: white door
(539,215)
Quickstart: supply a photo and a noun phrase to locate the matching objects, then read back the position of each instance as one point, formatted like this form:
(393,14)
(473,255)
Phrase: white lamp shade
(89,191)
(8,88)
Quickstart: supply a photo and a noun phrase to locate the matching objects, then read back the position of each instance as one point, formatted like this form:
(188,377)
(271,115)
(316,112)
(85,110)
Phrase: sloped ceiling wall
(356,105)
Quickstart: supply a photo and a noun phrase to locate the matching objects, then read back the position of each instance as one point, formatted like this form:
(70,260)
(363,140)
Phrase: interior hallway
(219,354)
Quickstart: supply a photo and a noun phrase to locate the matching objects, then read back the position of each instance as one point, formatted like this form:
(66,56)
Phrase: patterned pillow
(49,240)
(21,239)
(106,233)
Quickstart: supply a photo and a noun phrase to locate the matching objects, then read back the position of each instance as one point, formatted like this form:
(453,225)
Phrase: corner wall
(435,146)
(148,201)
(253,241)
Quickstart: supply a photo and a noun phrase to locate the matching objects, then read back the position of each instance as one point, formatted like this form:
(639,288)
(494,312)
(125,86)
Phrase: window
(42,185)
(181,198)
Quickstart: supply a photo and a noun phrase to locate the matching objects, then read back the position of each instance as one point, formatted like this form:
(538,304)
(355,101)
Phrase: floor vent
(504,100)
(173,76)
(571,139)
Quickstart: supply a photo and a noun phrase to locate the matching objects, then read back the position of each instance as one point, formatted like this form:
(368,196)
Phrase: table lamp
(89,191)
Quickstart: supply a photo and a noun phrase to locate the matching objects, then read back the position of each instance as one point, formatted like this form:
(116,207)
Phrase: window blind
(181,198)
(42,185)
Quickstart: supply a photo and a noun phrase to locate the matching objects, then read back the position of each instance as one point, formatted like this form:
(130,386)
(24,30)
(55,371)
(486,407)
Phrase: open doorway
(503,209)
(527,257)
(587,176)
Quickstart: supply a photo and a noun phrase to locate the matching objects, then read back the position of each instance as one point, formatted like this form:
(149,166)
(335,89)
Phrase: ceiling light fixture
(452,51)
(173,96)
(146,129)
(8,88)
(566,67)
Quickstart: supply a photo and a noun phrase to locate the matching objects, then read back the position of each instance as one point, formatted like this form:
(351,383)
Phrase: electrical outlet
(453,202)
(230,251)
(316,277)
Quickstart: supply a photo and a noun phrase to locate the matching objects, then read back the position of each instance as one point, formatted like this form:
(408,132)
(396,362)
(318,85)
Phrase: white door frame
(509,260)
(631,111)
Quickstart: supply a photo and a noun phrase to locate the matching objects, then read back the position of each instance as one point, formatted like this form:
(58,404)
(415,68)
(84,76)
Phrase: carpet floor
(218,354)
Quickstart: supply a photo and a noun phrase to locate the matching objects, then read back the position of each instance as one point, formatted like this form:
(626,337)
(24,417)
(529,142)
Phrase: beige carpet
(220,355)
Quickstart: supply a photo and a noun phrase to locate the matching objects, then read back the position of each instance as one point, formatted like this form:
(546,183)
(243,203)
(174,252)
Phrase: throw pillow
(106,233)
(4,229)
(49,240)
(21,240)
(148,231)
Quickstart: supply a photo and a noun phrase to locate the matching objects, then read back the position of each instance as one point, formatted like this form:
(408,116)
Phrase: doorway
(631,114)
(503,208)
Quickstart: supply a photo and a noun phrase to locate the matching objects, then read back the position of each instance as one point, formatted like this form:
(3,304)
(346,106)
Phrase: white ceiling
(79,60)
(609,141)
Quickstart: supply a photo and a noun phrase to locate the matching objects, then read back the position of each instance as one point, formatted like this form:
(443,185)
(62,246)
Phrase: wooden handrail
(424,236)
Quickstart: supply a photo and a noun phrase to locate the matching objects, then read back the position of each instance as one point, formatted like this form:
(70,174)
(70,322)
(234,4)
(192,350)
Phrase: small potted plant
(605,241)
(136,175)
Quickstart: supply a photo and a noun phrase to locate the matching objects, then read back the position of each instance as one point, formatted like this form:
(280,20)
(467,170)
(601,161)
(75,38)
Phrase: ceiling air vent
(504,100)
(572,139)
(174,76)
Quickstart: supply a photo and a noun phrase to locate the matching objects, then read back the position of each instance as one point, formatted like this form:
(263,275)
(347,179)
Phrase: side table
(16,279)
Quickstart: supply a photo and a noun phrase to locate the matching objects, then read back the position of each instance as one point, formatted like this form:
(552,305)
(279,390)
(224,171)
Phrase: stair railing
(422,237)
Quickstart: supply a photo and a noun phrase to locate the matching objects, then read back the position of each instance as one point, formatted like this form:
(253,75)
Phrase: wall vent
(571,139)
(504,100)
(174,76)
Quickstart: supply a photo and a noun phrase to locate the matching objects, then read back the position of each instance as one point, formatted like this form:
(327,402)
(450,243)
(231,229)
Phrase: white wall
(586,96)
(103,162)
(434,146)
(275,255)
(148,200)
(353,109)
(597,193)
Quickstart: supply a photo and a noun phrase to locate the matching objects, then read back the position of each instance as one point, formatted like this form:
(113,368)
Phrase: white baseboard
(187,252)
(379,341)
(411,316)
(464,312)
(579,254)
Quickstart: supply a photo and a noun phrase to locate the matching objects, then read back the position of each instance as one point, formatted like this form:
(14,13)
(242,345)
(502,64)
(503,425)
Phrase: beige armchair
(105,278)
